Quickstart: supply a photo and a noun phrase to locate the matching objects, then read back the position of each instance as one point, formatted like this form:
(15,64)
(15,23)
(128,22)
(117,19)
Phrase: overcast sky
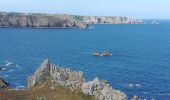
(144,9)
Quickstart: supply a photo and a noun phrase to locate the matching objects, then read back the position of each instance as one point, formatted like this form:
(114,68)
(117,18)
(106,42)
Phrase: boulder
(3,84)
(135,98)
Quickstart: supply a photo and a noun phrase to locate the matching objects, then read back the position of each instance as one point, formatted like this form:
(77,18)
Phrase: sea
(139,65)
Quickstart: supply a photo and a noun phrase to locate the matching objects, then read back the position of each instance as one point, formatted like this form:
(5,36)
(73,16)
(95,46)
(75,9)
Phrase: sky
(142,9)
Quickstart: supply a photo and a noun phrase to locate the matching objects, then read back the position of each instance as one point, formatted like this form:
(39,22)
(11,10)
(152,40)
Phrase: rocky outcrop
(75,81)
(59,20)
(102,90)
(60,76)
(135,98)
(3,84)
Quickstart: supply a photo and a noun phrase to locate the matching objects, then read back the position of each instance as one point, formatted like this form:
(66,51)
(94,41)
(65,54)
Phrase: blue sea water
(140,64)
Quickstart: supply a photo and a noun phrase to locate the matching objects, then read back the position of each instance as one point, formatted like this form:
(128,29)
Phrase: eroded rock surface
(61,76)
(75,81)
(102,90)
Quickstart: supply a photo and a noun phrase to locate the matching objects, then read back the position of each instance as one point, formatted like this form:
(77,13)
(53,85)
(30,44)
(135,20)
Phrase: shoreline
(39,20)
(67,78)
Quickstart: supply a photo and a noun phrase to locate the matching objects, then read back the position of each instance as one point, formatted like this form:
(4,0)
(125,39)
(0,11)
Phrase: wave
(17,66)
(145,92)
(20,87)
(5,76)
(164,94)
(3,69)
(91,27)
(8,63)
(10,70)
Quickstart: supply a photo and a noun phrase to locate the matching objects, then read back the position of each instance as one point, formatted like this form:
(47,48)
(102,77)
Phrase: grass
(80,18)
(43,92)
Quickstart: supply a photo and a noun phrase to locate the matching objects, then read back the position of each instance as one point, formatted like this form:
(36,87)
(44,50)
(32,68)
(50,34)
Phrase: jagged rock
(75,81)
(3,84)
(102,91)
(41,74)
(61,76)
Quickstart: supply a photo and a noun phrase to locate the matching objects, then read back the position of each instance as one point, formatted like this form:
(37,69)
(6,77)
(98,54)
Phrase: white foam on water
(8,63)
(164,94)
(10,70)
(145,92)
(3,69)
(91,27)
(20,87)
(5,76)
(17,66)
(133,85)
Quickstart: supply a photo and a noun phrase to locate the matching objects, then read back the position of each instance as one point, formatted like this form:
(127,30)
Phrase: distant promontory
(38,20)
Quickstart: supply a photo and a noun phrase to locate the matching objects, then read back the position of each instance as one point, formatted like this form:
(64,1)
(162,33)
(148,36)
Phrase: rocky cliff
(108,20)
(59,20)
(74,80)
(38,20)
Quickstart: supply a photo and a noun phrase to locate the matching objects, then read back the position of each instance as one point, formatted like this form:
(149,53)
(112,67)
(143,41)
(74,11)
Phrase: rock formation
(102,91)
(75,81)
(3,84)
(60,76)
(59,20)
(135,98)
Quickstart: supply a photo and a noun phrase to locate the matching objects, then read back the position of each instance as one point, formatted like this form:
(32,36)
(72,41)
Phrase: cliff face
(38,20)
(109,20)
(75,81)
(59,20)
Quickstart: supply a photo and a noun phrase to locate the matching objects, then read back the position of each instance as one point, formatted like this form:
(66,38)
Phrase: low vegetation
(45,91)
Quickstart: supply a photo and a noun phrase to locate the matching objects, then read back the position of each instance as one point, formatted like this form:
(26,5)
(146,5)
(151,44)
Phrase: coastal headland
(41,20)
